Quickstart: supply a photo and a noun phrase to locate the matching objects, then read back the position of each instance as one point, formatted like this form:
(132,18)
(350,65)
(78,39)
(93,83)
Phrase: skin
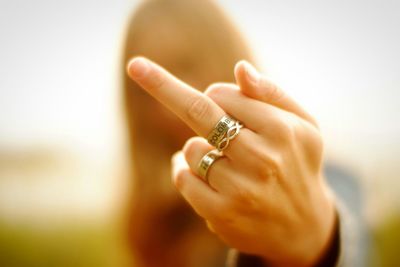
(267,196)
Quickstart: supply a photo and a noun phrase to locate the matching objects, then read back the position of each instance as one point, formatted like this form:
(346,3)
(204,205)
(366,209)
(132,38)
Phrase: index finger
(197,110)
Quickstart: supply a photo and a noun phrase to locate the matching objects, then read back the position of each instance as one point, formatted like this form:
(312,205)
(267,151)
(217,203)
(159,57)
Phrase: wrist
(325,231)
(316,240)
(326,228)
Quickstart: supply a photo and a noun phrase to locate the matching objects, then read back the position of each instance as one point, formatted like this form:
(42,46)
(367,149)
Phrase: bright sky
(340,59)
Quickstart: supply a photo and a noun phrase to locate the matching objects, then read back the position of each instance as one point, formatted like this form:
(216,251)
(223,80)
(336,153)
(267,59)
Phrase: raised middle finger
(198,111)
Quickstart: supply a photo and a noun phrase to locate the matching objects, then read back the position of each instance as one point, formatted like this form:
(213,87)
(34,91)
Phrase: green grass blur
(386,243)
(68,245)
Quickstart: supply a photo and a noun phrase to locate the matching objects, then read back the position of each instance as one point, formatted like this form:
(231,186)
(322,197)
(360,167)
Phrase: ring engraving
(206,162)
(220,130)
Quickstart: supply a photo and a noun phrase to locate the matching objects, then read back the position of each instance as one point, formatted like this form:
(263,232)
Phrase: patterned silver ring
(230,135)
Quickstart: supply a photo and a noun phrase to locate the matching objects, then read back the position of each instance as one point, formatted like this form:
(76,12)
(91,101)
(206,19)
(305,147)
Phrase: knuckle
(244,198)
(314,121)
(215,89)
(158,80)
(313,143)
(189,149)
(280,127)
(318,148)
(319,141)
(178,179)
(270,172)
(274,93)
(198,108)
(268,164)
(288,130)
(285,129)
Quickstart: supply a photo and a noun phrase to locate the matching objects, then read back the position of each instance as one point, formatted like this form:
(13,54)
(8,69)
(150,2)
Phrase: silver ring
(230,135)
(220,130)
(206,162)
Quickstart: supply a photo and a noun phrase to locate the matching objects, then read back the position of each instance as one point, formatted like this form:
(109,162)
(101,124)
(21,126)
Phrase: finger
(254,114)
(256,86)
(205,201)
(221,174)
(264,124)
(193,107)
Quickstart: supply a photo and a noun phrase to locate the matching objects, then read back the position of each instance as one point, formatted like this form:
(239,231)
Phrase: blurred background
(62,135)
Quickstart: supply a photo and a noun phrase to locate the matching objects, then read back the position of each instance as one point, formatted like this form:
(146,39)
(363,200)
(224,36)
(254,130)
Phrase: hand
(267,196)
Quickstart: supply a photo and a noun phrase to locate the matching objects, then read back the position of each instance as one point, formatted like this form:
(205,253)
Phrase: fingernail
(252,73)
(138,67)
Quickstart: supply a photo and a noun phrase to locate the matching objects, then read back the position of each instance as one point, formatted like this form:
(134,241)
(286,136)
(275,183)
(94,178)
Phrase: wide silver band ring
(220,130)
(206,162)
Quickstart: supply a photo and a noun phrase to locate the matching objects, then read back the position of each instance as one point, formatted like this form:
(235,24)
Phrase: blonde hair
(194,40)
